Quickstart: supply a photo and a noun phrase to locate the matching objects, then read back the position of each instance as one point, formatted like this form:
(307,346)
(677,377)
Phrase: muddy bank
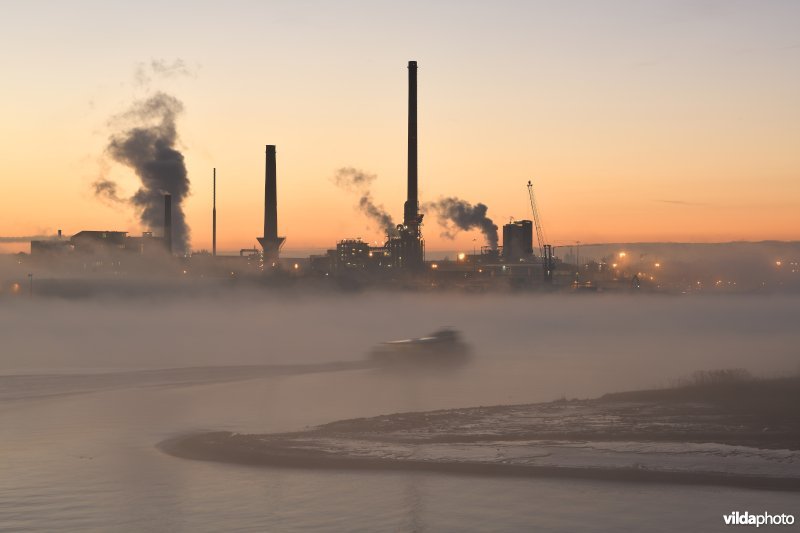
(739,434)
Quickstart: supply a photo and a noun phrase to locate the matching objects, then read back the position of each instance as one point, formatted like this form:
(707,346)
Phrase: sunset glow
(638,122)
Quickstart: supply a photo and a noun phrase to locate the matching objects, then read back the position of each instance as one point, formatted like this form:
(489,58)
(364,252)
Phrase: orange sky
(657,121)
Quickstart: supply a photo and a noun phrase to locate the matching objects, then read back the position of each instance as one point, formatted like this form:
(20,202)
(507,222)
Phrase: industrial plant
(524,259)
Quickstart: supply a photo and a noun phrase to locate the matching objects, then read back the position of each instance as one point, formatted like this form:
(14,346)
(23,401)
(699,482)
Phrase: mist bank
(730,265)
(674,268)
(23,386)
(526,347)
(743,433)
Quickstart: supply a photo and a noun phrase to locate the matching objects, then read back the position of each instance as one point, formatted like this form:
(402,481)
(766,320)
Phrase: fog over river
(88,387)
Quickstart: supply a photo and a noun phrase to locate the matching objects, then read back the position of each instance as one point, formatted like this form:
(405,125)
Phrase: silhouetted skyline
(657,121)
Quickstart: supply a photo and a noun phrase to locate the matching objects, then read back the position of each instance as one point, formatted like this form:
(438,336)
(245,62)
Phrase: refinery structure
(401,258)
(524,259)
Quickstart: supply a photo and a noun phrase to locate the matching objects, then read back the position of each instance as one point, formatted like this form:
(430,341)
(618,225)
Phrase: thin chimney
(214,219)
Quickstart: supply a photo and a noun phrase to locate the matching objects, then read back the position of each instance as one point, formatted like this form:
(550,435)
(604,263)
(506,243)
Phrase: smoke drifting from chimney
(146,72)
(146,143)
(357,181)
(463,216)
(107,190)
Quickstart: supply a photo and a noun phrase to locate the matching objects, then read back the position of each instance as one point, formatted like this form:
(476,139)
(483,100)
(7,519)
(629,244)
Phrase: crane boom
(539,232)
(545,250)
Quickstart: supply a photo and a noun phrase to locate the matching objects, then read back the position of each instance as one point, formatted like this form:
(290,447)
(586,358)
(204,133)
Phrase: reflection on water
(414,503)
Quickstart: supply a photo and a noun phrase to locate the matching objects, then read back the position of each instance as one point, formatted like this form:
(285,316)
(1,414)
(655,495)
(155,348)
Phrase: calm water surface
(83,457)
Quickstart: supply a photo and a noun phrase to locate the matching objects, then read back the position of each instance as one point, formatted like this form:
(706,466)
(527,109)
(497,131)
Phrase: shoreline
(209,447)
(741,433)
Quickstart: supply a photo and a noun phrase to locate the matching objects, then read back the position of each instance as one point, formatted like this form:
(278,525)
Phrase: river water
(79,419)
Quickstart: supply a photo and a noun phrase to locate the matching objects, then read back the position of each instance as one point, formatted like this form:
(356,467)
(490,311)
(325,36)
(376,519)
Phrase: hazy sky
(638,120)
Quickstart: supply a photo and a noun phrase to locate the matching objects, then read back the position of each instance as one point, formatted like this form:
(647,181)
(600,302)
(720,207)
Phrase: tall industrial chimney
(408,249)
(214,219)
(168,222)
(411,208)
(270,242)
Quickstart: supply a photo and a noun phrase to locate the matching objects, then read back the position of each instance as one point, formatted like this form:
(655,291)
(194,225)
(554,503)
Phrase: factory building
(51,247)
(99,242)
(146,244)
(407,250)
(518,240)
(91,242)
(352,254)
(355,254)
(108,242)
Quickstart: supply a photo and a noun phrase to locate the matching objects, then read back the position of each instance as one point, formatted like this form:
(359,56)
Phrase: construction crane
(545,250)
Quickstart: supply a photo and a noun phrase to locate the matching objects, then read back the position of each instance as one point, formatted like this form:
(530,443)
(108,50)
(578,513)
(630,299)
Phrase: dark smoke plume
(464,216)
(358,181)
(147,145)
(107,190)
